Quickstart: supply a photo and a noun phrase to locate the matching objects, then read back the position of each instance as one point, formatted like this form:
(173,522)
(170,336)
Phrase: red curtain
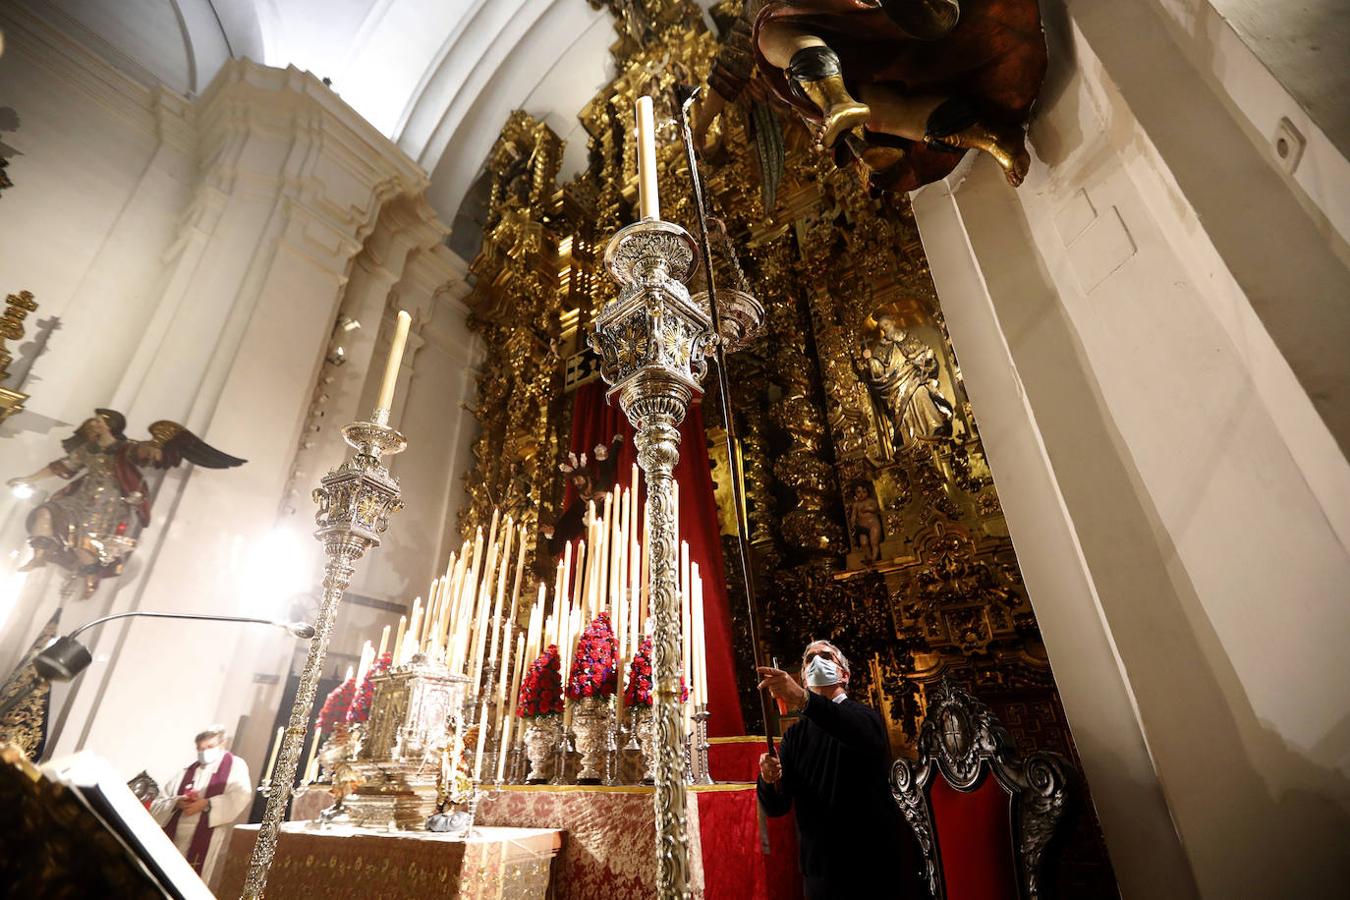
(595,422)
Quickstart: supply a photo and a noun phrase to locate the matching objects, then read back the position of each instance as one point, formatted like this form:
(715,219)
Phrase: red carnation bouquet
(541,688)
(639,689)
(359,711)
(595,668)
(333,715)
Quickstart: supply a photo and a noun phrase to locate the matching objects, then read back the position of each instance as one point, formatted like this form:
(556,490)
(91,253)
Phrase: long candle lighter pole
(728,421)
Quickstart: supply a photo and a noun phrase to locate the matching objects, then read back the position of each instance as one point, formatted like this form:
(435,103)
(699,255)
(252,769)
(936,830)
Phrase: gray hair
(838,654)
(211,731)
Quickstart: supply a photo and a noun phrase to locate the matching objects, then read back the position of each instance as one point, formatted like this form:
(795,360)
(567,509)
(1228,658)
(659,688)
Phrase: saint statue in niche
(89,527)
(902,374)
(901,87)
(864,521)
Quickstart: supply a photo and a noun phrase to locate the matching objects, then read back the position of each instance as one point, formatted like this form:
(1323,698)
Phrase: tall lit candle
(384,644)
(395,360)
(272,759)
(648,200)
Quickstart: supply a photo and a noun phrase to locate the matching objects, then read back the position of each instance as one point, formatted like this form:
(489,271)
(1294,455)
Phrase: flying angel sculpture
(89,527)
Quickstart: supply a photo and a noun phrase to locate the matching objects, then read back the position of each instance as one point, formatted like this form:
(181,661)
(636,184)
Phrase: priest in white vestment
(197,804)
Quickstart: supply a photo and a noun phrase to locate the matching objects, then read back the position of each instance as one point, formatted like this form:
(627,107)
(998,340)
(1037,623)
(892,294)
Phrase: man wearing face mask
(197,804)
(832,767)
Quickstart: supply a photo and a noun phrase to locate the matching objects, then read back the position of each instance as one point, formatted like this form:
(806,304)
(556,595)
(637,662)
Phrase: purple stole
(201,835)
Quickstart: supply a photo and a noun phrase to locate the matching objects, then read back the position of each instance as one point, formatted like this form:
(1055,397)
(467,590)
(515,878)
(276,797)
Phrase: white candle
(310,774)
(685,621)
(700,639)
(648,200)
(501,595)
(384,644)
(410,642)
(398,641)
(510,719)
(367,654)
(272,759)
(391,366)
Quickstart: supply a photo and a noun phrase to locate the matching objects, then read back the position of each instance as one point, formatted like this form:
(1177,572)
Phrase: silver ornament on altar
(541,747)
(591,720)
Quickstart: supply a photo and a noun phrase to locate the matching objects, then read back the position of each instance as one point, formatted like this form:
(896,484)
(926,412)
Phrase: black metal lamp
(65,657)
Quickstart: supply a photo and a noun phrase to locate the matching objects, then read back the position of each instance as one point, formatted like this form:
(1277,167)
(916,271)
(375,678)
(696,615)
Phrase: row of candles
(614,577)
(468,623)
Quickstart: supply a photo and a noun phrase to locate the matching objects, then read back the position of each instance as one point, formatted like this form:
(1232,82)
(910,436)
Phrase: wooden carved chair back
(983,815)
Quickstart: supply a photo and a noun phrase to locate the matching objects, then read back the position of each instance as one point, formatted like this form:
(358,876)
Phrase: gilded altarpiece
(873,516)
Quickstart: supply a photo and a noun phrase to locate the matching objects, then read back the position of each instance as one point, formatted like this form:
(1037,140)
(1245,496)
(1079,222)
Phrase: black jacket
(854,843)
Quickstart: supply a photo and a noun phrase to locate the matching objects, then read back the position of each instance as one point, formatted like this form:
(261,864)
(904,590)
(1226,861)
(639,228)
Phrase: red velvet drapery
(596,422)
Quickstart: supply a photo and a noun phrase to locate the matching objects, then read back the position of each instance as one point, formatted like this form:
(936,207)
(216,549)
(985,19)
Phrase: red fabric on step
(734,864)
(735,759)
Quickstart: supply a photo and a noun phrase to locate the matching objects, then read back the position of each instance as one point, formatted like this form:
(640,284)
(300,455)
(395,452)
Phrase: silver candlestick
(355,502)
(652,340)
(700,746)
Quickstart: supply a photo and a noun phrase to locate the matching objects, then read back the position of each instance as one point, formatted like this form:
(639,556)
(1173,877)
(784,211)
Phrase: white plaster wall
(197,255)
(1150,317)
(85,228)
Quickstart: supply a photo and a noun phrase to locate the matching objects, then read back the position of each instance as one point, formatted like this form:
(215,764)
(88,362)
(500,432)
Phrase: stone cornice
(63,49)
(246,96)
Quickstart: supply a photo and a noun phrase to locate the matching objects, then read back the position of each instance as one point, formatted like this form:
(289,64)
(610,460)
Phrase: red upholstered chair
(982,815)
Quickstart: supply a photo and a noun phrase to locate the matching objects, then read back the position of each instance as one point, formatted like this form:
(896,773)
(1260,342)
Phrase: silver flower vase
(590,723)
(541,745)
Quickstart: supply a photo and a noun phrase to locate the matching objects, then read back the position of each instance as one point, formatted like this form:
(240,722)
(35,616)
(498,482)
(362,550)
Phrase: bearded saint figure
(902,87)
(89,526)
(902,375)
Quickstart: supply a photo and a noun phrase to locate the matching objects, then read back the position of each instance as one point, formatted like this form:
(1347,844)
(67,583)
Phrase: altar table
(340,863)
(610,851)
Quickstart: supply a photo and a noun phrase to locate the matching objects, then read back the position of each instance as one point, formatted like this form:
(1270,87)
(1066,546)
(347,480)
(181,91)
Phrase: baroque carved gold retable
(870,507)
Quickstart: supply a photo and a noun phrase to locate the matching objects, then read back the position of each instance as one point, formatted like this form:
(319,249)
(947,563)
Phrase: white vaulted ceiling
(439,77)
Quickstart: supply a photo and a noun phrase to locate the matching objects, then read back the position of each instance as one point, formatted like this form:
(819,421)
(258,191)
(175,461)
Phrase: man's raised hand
(783,686)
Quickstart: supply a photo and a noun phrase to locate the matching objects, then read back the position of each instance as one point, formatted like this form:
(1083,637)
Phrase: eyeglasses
(827,653)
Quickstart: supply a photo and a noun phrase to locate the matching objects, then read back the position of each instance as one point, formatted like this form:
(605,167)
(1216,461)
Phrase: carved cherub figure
(864,521)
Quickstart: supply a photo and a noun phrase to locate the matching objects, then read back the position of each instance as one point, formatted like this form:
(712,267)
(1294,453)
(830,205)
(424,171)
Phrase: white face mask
(210,756)
(820,672)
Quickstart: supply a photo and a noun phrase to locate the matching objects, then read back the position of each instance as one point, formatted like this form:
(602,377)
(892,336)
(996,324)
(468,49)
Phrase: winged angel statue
(89,527)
